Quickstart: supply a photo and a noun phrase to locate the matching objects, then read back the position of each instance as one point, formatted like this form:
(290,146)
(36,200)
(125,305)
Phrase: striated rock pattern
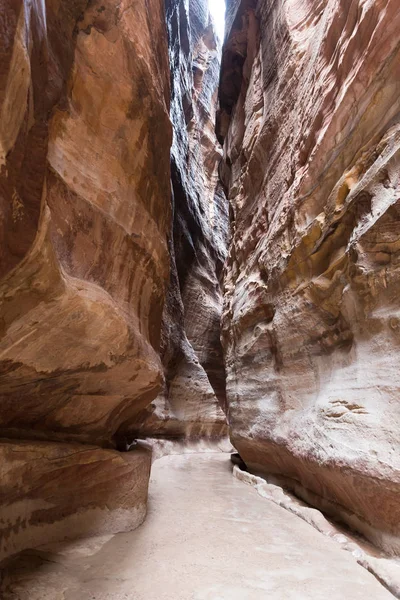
(85,210)
(194,391)
(91,246)
(52,491)
(310,117)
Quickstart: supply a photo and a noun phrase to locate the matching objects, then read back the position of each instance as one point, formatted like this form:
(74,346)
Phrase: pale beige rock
(386,569)
(309,111)
(161,447)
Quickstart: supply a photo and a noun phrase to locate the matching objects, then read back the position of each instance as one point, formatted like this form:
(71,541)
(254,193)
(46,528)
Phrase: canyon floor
(207,536)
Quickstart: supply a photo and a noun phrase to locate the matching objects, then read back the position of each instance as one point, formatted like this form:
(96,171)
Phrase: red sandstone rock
(89,248)
(310,116)
(85,205)
(52,491)
(85,210)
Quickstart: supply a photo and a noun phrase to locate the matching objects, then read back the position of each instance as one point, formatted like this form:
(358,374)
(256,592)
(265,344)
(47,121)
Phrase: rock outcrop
(54,491)
(114,234)
(85,140)
(194,392)
(310,117)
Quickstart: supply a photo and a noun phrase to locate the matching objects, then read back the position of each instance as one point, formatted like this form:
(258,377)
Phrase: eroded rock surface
(194,392)
(84,184)
(53,491)
(85,209)
(211,537)
(92,244)
(310,117)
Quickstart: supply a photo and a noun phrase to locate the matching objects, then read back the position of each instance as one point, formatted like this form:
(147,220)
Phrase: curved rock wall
(85,197)
(85,209)
(93,245)
(194,391)
(310,116)
(51,492)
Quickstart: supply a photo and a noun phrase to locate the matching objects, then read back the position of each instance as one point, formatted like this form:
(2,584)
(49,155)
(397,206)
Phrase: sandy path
(207,537)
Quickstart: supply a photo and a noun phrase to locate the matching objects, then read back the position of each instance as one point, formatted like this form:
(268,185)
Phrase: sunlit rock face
(311,328)
(194,392)
(85,210)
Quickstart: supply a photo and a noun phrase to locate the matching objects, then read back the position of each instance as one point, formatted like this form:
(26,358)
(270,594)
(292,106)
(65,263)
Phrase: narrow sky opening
(217,10)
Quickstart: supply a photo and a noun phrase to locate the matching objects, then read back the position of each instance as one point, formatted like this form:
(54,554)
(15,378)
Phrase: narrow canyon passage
(199,241)
(207,536)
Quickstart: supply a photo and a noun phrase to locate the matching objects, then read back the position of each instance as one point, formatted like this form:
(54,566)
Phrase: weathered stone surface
(85,210)
(194,392)
(53,491)
(310,116)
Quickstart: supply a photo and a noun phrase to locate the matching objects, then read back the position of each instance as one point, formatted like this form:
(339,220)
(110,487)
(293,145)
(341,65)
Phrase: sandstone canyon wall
(113,235)
(310,119)
(85,140)
(85,215)
(111,260)
(193,395)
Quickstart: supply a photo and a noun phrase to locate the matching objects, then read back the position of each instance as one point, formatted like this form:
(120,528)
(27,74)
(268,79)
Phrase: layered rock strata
(85,208)
(85,212)
(310,117)
(91,249)
(54,491)
(194,391)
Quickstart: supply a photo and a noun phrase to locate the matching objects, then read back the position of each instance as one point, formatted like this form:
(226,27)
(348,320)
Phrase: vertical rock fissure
(193,399)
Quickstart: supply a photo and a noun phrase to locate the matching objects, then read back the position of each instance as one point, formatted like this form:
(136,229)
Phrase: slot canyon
(199,310)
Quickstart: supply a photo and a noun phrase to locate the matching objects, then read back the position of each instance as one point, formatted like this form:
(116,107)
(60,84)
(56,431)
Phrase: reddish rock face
(90,249)
(309,112)
(85,209)
(194,391)
(52,491)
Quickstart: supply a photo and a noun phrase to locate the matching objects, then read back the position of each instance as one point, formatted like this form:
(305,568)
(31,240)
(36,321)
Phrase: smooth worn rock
(386,569)
(85,209)
(310,117)
(193,397)
(52,492)
(207,537)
